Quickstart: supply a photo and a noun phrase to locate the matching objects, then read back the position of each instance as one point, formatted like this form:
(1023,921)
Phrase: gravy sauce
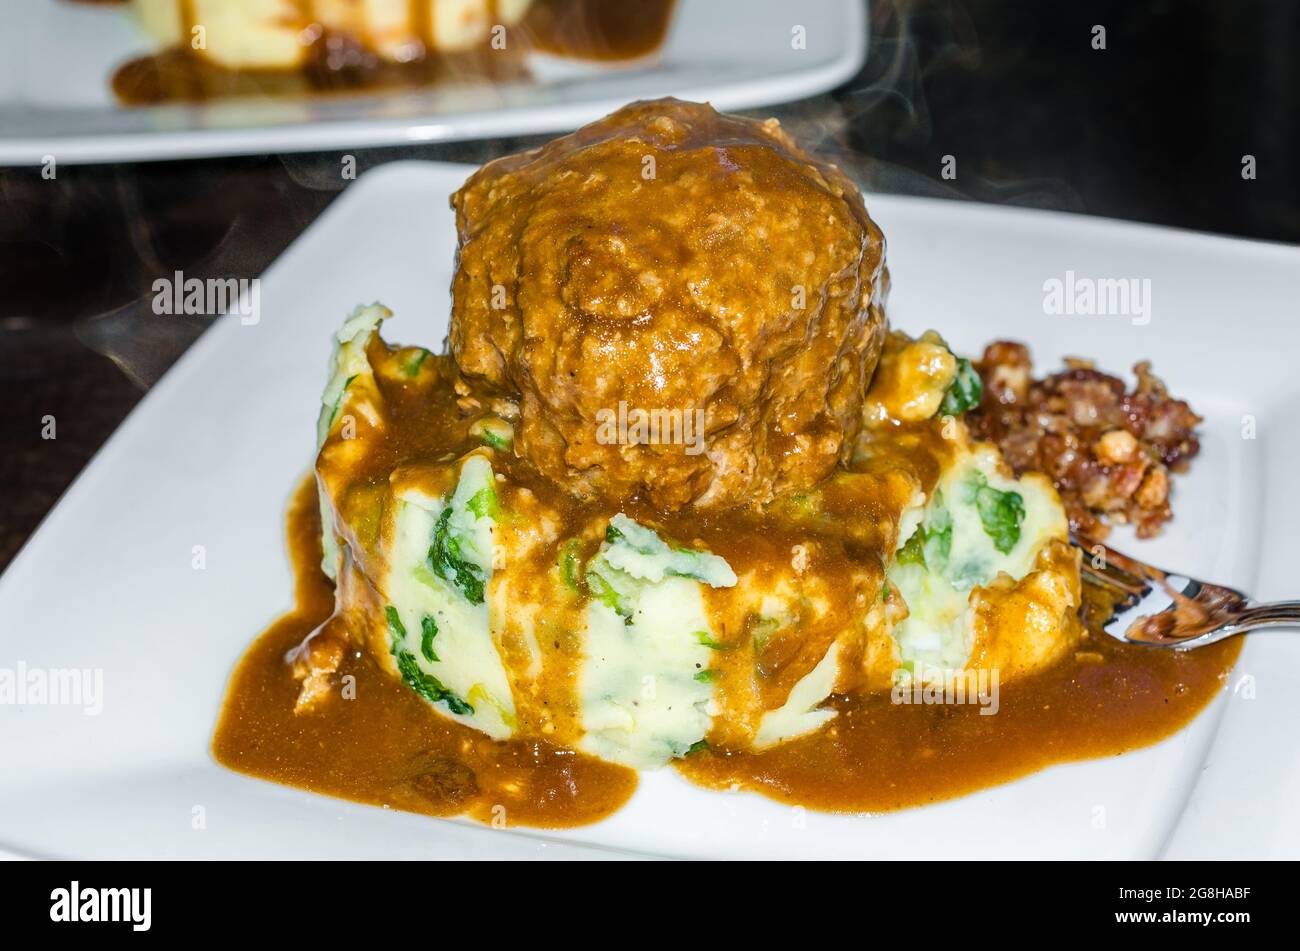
(388,747)
(879,756)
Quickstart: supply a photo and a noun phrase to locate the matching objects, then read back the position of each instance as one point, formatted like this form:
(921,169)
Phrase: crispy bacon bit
(1108,449)
(1116,447)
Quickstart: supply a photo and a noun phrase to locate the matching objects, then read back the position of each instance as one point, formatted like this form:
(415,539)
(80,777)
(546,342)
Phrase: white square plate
(57,58)
(212,453)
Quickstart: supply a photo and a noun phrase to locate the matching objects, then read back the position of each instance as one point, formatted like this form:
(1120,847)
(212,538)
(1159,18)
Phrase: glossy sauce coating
(670,259)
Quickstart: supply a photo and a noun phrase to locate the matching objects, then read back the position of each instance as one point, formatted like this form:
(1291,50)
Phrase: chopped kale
(429,630)
(428,686)
(457,705)
(395,625)
(1000,512)
(965,392)
(449,564)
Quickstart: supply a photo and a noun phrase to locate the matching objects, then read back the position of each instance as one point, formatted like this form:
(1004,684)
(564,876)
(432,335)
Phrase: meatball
(684,304)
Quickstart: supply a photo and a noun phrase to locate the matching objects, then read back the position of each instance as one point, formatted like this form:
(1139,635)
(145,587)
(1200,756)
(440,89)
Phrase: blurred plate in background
(57,60)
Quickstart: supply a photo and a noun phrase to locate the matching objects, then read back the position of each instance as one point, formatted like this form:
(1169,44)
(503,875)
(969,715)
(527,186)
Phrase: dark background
(1153,128)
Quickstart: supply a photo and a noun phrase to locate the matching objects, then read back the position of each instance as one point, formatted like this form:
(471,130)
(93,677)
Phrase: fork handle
(1273,614)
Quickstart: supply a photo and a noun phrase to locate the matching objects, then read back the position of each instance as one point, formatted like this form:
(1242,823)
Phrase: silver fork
(1166,609)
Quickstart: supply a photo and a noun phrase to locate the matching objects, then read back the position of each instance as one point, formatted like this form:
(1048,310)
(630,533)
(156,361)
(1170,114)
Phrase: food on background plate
(675,494)
(223,48)
(269,34)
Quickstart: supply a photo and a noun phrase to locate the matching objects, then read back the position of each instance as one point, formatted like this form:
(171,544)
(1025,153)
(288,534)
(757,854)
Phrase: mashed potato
(275,34)
(978,524)
(519,611)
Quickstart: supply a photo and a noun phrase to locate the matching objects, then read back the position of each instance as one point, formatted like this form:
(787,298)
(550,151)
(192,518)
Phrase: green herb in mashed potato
(338,403)
(930,546)
(484,503)
(570,566)
(965,392)
(938,535)
(428,631)
(913,553)
(395,625)
(413,367)
(428,686)
(633,557)
(604,592)
(494,439)
(448,562)
(1000,512)
(641,553)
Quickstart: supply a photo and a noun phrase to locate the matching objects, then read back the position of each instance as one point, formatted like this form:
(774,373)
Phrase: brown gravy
(597,29)
(387,747)
(336,63)
(879,756)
